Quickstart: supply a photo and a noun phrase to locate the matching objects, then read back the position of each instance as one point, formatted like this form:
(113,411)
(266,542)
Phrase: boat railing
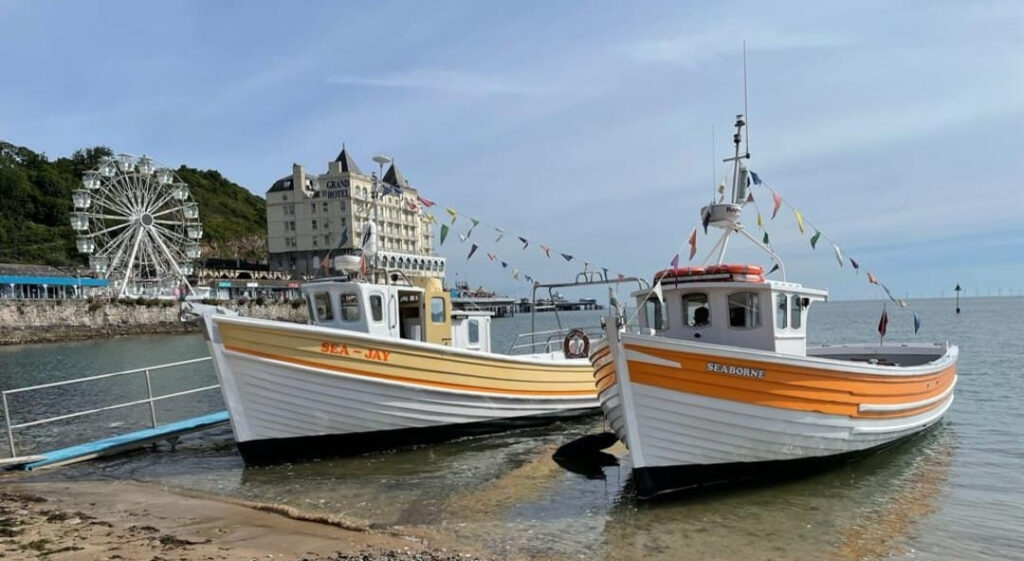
(151,399)
(550,340)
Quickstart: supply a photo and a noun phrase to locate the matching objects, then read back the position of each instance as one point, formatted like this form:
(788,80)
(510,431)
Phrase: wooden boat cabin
(729,304)
(411,308)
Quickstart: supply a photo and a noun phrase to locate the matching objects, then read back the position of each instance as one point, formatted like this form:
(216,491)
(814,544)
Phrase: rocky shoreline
(52,321)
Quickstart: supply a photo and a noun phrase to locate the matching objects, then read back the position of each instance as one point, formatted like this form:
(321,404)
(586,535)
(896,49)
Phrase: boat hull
(695,414)
(303,392)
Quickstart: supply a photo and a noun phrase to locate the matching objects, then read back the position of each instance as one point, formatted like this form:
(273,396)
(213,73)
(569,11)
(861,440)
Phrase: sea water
(955,493)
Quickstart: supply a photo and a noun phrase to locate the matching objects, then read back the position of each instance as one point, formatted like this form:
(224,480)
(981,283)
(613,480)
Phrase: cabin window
(437,309)
(744,310)
(474,331)
(695,310)
(377,307)
(781,311)
(349,307)
(797,312)
(322,303)
(654,315)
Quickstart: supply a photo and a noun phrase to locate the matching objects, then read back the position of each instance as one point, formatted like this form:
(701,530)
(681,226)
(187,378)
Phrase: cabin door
(437,324)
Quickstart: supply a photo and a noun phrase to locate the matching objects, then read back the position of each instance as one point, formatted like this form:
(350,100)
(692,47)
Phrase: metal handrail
(151,399)
(552,335)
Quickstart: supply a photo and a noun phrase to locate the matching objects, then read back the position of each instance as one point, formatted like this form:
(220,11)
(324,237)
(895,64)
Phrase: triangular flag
(815,238)
(839,255)
(917,323)
(765,238)
(411,205)
(463,237)
(799,220)
(444,232)
(658,292)
(472,250)
(425,202)
(546,250)
(501,234)
(453,214)
(778,203)
(429,218)
(883,323)
(871,278)
(504,265)
(750,194)
(760,223)
(757,180)
(475,223)
(567,257)
(693,243)
(621,276)
(515,274)
(605,271)
(902,302)
(856,265)
(528,278)
(491,256)
(525,242)
(675,261)
(705,220)
(774,268)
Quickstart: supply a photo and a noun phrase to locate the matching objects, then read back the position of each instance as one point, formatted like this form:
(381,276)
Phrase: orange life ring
(582,350)
(679,272)
(736,269)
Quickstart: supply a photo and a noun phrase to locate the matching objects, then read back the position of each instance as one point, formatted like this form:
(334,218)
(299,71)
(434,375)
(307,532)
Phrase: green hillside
(35,207)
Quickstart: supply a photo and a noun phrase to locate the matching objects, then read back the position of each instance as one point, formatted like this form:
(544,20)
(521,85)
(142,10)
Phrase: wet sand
(118,520)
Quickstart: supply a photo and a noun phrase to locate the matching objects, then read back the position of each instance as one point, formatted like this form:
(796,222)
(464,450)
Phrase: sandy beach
(119,520)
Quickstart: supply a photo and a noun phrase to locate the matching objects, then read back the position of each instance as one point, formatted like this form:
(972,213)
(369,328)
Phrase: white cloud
(444,80)
(694,48)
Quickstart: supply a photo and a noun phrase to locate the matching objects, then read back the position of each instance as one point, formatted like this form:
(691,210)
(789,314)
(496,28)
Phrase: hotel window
(312,207)
(744,310)
(327,239)
(314,223)
(325,206)
(314,241)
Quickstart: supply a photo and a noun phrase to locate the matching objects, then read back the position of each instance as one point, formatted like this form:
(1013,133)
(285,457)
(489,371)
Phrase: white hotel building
(307,214)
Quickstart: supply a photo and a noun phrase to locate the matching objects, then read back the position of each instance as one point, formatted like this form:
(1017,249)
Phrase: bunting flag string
(546,250)
(802,223)
(453,214)
(526,243)
(675,261)
(693,243)
(425,202)
(472,250)
(444,232)
(501,234)
(567,257)
(491,256)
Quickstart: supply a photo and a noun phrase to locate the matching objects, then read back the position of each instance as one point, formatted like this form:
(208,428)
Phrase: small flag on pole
(871,278)
(774,268)
(675,261)
(693,243)
(765,238)
(504,265)
(757,180)
(917,323)
(856,265)
(883,323)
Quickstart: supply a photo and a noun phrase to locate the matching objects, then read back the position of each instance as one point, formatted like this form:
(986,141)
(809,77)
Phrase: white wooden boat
(383,364)
(720,385)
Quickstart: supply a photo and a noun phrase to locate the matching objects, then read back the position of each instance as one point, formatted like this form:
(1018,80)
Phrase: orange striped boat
(384,365)
(720,385)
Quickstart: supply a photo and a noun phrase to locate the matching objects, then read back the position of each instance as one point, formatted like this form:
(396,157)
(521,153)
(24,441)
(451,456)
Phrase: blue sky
(894,127)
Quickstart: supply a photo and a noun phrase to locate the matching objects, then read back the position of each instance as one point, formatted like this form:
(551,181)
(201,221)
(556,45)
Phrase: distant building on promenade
(307,216)
(42,282)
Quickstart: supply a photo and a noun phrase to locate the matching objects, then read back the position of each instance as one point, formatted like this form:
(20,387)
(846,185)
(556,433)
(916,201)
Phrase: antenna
(746,112)
(714,184)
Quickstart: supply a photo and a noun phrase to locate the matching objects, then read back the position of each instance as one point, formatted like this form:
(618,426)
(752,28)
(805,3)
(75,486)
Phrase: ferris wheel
(138,224)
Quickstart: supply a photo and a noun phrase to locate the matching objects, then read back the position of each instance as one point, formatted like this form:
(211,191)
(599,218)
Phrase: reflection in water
(862,510)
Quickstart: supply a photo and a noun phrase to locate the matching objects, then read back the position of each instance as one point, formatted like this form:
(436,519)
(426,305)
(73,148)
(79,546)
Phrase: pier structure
(499,305)
(527,306)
